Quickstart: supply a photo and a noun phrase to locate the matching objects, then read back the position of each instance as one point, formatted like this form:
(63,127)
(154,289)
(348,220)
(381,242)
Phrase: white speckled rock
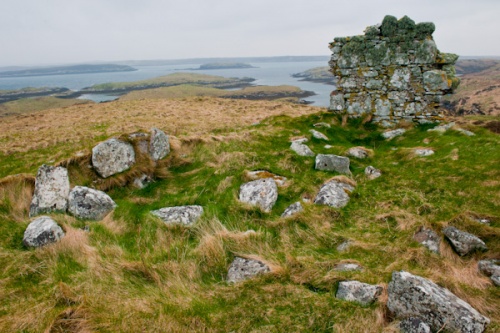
(51,190)
(465,132)
(441,128)
(414,325)
(292,209)
(393,133)
(429,239)
(186,215)
(463,242)
(159,145)
(318,135)
(348,267)
(334,193)
(330,162)
(300,148)
(112,156)
(372,172)
(491,268)
(243,269)
(360,292)
(411,295)
(358,152)
(423,152)
(262,193)
(87,203)
(42,231)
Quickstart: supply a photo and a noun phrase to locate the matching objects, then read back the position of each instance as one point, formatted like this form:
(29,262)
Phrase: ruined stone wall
(393,72)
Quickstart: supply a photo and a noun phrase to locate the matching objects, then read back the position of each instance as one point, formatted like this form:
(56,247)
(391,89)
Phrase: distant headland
(225,65)
(64,70)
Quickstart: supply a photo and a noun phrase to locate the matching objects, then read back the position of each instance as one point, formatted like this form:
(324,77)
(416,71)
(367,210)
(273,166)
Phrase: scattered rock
(300,148)
(185,215)
(360,292)
(334,193)
(112,156)
(463,242)
(51,190)
(262,193)
(482,220)
(318,135)
(491,268)
(325,125)
(358,152)
(142,181)
(465,132)
(243,269)
(429,239)
(328,146)
(348,267)
(422,152)
(344,246)
(42,231)
(159,146)
(87,203)
(394,133)
(293,209)
(330,162)
(262,174)
(414,325)
(372,172)
(411,295)
(442,128)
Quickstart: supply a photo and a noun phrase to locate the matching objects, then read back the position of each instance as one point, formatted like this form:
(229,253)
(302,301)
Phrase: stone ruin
(393,72)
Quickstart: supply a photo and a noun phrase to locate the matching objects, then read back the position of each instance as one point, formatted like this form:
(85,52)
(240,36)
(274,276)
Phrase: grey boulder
(318,135)
(262,193)
(292,209)
(414,325)
(358,152)
(243,269)
(334,193)
(42,231)
(112,156)
(429,239)
(360,292)
(423,152)
(87,203)
(330,162)
(159,145)
(491,268)
(51,190)
(462,242)
(372,173)
(394,133)
(300,148)
(411,295)
(185,215)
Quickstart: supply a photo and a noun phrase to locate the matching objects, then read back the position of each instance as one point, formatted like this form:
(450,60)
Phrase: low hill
(65,70)
(225,65)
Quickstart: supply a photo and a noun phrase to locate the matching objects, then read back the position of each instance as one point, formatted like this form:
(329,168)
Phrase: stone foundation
(393,72)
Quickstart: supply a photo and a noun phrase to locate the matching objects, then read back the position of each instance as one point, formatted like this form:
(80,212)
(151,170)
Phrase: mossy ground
(133,273)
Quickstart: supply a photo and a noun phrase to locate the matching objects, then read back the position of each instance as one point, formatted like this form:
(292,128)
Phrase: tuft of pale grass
(343,179)
(15,194)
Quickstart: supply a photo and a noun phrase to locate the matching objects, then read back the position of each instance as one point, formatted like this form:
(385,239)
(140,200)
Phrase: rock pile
(393,72)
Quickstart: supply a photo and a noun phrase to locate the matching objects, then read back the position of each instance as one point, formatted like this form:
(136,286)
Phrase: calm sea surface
(273,73)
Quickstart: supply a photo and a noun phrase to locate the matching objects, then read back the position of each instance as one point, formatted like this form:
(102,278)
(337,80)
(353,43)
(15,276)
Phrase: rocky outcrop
(463,242)
(185,215)
(411,295)
(359,292)
(159,145)
(112,156)
(292,209)
(42,231)
(429,239)
(334,193)
(393,72)
(87,203)
(491,268)
(262,193)
(243,269)
(330,162)
(51,190)
(300,148)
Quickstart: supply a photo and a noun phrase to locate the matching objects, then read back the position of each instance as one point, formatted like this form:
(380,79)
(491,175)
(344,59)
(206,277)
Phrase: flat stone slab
(330,162)
(334,193)
(462,242)
(394,133)
(318,135)
(159,145)
(293,209)
(51,190)
(414,325)
(88,203)
(185,215)
(415,296)
(300,148)
(262,193)
(428,238)
(42,231)
(112,156)
(359,292)
(262,174)
(348,267)
(441,128)
(423,152)
(465,132)
(243,269)
(372,172)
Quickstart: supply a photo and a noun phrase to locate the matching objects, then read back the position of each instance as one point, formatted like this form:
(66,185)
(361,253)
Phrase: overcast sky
(71,31)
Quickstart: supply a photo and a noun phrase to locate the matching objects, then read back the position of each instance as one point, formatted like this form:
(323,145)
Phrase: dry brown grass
(16,192)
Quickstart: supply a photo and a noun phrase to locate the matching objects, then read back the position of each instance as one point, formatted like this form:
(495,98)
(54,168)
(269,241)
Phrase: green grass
(133,273)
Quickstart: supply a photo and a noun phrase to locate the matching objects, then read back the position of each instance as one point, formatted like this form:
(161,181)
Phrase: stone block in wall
(337,102)
(436,80)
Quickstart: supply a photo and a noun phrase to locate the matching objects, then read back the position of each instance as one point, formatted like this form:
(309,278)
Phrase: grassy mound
(131,272)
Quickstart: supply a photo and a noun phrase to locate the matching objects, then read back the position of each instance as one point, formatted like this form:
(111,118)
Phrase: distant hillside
(64,70)
(225,65)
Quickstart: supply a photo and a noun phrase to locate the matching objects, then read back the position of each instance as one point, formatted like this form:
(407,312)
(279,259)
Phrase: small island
(317,74)
(65,70)
(225,65)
